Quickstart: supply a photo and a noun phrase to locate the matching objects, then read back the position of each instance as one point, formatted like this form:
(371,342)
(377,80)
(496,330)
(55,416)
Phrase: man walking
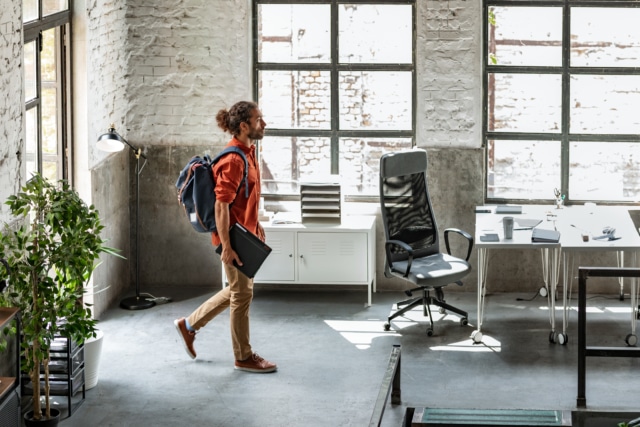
(245,123)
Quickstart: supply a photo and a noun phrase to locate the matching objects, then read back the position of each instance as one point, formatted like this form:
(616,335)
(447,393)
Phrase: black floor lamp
(112,141)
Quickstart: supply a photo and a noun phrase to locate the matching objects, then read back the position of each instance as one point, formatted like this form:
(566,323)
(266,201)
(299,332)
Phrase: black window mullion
(335,90)
(566,94)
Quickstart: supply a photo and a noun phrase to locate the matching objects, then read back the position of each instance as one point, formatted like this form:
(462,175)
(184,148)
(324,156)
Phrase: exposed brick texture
(11,103)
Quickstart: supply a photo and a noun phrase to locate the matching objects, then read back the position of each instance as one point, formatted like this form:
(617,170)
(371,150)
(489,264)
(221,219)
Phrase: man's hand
(228,255)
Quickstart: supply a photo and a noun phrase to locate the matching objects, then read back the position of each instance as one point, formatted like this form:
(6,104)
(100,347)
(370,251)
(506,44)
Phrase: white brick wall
(185,61)
(11,103)
(106,65)
(449,82)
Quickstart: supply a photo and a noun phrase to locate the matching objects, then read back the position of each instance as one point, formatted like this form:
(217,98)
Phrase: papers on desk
(508,209)
(527,223)
(489,237)
(540,235)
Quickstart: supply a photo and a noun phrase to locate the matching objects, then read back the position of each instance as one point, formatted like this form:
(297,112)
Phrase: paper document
(527,223)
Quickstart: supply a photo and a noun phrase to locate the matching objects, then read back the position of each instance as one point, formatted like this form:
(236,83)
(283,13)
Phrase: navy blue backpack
(196,189)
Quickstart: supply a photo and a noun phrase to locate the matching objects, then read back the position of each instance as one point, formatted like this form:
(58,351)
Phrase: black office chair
(412,244)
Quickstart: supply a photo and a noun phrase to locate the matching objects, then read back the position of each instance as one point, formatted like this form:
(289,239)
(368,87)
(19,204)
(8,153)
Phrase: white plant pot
(92,350)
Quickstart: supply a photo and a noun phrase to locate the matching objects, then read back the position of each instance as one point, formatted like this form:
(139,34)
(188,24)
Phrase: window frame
(566,71)
(32,30)
(334,67)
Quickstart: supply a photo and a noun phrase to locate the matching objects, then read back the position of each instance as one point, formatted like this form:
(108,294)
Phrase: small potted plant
(51,254)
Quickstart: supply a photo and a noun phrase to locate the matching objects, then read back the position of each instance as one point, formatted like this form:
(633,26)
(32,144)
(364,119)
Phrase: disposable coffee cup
(507,222)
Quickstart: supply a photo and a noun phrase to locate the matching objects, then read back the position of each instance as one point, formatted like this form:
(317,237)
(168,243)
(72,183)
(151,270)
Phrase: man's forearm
(222,223)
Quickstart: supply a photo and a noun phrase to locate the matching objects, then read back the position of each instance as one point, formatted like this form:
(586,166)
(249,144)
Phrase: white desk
(492,223)
(572,222)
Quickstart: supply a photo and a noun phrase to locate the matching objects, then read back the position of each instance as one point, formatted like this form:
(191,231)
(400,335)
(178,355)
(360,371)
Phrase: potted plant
(51,254)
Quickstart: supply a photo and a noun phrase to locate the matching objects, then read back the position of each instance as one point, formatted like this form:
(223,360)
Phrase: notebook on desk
(508,209)
(251,250)
(541,235)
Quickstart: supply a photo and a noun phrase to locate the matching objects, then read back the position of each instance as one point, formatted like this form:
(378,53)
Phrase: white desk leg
(566,261)
(544,291)
(482,286)
(632,338)
(620,256)
(553,284)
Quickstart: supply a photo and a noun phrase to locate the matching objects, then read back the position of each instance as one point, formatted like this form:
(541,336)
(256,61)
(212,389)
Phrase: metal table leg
(482,287)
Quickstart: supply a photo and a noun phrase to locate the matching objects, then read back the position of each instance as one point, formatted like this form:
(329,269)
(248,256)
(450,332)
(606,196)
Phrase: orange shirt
(228,173)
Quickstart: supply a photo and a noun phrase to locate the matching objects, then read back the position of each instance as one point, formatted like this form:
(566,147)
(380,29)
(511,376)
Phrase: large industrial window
(561,98)
(46,96)
(335,82)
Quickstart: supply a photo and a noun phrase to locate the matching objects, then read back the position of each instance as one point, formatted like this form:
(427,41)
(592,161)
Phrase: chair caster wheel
(563,339)
(387,326)
(442,310)
(464,321)
(552,337)
(631,340)
(476,336)
(543,292)
(429,332)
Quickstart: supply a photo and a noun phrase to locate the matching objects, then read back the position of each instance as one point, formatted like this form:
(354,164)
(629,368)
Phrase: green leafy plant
(52,255)
(632,423)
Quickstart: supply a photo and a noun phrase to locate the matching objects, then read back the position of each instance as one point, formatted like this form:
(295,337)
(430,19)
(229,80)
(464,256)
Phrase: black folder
(251,250)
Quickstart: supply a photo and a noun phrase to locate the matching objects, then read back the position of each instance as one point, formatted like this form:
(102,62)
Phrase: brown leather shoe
(256,364)
(188,337)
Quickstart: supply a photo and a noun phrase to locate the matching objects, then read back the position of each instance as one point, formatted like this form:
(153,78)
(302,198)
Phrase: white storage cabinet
(321,254)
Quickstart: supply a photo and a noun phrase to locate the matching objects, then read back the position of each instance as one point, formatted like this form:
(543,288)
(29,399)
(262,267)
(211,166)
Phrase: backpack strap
(239,151)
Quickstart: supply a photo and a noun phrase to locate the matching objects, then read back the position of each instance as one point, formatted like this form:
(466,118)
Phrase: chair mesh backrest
(406,208)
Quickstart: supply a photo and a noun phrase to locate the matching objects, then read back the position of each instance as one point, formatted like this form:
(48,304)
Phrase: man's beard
(256,134)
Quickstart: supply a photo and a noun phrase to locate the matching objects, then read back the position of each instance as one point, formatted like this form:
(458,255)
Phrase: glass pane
(365,37)
(605,171)
(605,104)
(53,6)
(294,33)
(50,169)
(49,92)
(523,169)
(49,121)
(525,36)
(288,160)
(29,11)
(295,99)
(524,102)
(30,71)
(375,100)
(48,56)
(360,163)
(31,141)
(605,37)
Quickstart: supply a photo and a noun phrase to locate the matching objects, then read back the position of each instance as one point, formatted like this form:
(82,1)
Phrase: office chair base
(426,301)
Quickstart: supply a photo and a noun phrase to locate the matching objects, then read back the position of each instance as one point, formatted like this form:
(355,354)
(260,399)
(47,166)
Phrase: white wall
(12,166)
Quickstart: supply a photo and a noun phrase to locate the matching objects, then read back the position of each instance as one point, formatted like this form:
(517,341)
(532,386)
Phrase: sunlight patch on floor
(360,333)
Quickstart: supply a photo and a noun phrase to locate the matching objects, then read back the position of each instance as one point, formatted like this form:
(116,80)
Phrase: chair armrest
(403,245)
(464,234)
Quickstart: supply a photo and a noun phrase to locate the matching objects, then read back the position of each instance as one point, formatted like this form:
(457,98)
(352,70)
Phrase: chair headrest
(403,163)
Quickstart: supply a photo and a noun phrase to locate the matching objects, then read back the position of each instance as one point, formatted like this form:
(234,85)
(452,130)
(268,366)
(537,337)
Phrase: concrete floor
(332,353)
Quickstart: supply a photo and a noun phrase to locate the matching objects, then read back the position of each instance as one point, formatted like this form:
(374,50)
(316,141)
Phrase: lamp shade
(110,141)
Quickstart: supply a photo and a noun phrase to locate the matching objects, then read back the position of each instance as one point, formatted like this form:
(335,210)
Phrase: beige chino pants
(237,297)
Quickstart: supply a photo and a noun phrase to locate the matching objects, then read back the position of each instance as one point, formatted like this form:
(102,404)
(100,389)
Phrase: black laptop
(251,250)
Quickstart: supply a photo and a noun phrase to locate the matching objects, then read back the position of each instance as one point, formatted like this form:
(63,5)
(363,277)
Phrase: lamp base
(136,303)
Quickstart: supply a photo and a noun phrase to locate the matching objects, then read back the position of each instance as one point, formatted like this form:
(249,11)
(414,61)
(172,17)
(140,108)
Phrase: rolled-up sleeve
(228,173)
